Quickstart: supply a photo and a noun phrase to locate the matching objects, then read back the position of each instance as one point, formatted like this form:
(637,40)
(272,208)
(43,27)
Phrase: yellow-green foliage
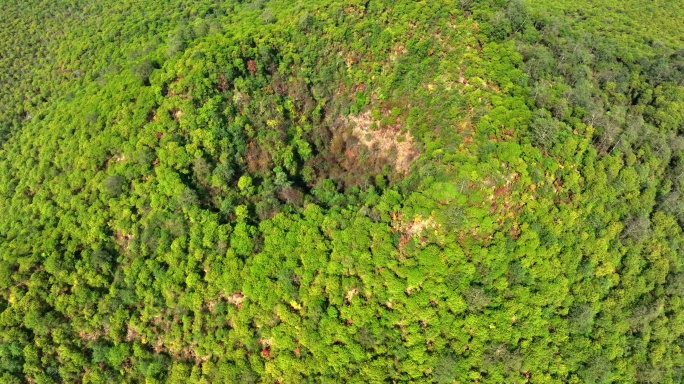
(185,197)
(635,24)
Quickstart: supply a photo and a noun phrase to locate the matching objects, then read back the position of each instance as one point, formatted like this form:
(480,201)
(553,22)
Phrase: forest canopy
(272,191)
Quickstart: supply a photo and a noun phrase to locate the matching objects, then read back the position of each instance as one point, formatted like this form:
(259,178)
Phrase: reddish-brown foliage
(251,66)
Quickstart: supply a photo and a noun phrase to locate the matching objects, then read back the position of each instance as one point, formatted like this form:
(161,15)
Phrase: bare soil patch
(386,141)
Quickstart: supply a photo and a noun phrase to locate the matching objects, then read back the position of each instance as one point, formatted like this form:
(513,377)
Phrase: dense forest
(445,191)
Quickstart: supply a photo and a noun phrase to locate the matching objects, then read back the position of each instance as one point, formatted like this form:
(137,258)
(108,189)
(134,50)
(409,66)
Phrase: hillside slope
(448,192)
(632,25)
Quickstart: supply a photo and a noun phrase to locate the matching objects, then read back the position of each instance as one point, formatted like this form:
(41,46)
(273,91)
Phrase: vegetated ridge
(359,191)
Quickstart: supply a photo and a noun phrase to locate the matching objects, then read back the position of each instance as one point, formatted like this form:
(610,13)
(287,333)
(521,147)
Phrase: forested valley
(455,191)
